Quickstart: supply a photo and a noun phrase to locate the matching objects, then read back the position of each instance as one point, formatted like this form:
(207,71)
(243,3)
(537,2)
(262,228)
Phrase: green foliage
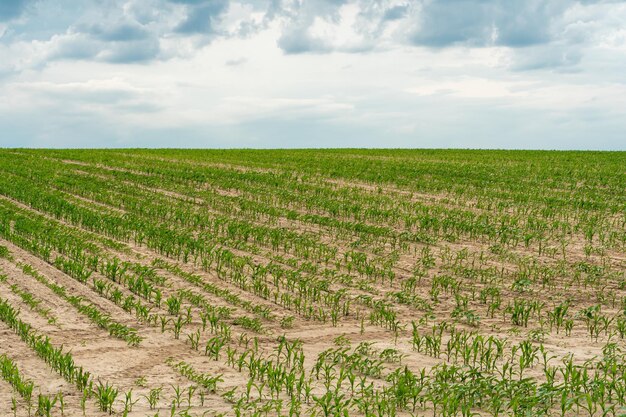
(444,252)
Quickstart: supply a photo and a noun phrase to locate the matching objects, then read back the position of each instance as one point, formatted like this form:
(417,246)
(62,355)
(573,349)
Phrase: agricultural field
(312,283)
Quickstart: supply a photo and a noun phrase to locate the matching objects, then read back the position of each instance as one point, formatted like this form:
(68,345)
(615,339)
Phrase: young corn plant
(105,396)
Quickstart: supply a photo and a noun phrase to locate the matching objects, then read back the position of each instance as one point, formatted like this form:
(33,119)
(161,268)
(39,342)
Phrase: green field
(312,283)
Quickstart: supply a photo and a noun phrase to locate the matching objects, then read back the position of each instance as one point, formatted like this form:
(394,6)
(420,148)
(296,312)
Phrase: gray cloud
(296,36)
(130,52)
(539,34)
(298,40)
(431,23)
(395,12)
(201,16)
(127,31)
(73,46)
(100,92)
(514,23)
(120,31)
(562,58)
(121,43)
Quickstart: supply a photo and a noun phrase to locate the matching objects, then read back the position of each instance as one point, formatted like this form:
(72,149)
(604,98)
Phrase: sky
(530,74)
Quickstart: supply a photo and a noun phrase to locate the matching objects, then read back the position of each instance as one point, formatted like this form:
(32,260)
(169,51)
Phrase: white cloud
(287,72)
(472,87)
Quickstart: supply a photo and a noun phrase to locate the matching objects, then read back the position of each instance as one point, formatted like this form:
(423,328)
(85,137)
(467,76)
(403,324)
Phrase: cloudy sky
(547,74)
